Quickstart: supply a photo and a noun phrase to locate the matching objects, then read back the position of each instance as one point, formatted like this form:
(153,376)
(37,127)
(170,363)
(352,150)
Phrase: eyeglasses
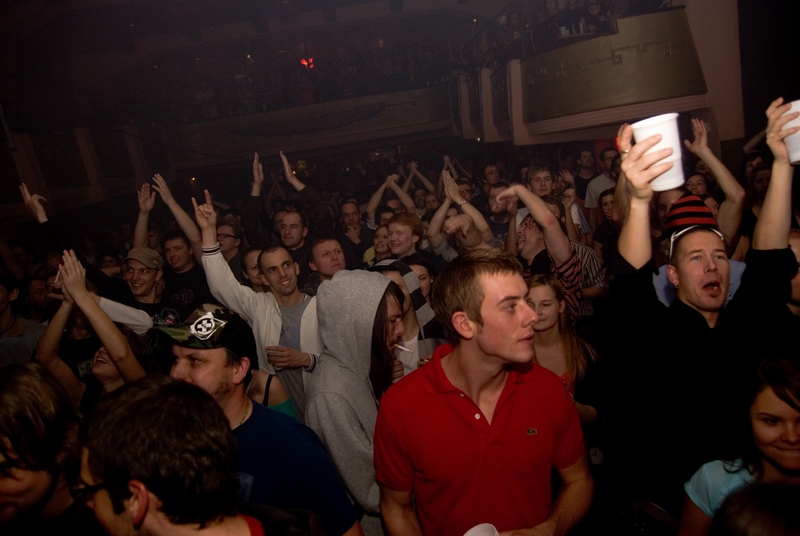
(84,493)
(675,236)
(225,235)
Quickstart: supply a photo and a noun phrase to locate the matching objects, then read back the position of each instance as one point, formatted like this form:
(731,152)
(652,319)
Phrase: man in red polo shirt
(472,436)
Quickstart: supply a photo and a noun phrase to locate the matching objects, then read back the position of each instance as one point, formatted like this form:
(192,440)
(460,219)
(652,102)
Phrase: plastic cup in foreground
(484,529)
(667,126)
(793,142)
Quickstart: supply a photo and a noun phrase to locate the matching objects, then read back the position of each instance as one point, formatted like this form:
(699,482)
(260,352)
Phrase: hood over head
(346,307)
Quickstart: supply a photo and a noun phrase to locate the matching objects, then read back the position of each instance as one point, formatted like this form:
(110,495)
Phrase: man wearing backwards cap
(680,368)
(281,462)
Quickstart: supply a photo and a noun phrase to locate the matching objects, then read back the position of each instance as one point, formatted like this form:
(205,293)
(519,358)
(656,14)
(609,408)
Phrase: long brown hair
(577,352)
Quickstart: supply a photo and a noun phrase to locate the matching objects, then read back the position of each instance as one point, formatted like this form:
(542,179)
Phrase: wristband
(463,202)
(211,250)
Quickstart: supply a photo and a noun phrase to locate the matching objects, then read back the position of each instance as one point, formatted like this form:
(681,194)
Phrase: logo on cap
(203,327)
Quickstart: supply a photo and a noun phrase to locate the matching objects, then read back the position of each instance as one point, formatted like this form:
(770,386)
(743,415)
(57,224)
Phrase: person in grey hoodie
(360,320)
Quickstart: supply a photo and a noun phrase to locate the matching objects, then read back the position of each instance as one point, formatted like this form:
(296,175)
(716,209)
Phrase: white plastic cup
(667,126)
(793,142)
(484,529)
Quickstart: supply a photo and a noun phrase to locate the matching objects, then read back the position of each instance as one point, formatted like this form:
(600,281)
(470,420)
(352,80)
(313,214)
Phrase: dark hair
(381,356)
(537,167)
(319,239)
(179,235)
(173,437)
(303,220)
(498,185)
(610,191)
(38,421)
(417,258)
(383,209)
(782,375)
(761,508)
(556,201)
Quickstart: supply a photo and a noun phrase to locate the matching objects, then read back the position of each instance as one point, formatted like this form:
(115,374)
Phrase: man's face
(465,191)
(21,490)
(395,205)
(586,159)
(402,241)
(529,234)
(280,272)
(350,217)
(178,254)
(37,294)
(701,271)
(491,175)
(541,183)
(153,239)
(665,201)
(100,502)
(327,259)
(507,330)
(292,231)
(384,217)
(141,279)
(227,238)
(607,157)
(419,198)
(761,182)
(205,368)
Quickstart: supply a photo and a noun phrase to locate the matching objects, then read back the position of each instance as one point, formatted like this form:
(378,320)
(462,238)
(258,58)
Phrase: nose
(791,433)
(531,316)
(178,371)
(399,330)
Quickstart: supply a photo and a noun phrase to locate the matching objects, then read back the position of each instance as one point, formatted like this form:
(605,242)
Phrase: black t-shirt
(78,354)
(186,291)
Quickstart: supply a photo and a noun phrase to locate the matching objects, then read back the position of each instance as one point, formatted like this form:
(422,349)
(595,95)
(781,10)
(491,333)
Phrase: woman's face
(20,489)
(776,431)
(543,301)
(424,277)
(697,185)
(381,240)
(108,261)
(102,367)
(394,321)
(713,204)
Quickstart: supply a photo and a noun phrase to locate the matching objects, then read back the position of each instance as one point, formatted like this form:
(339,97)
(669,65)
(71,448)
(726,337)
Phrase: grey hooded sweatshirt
(340,405)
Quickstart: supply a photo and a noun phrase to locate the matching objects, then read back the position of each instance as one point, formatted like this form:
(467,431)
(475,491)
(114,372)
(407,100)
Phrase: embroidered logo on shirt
(533,431)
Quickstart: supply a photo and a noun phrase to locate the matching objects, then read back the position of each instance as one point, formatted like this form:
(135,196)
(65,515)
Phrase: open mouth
(712,286)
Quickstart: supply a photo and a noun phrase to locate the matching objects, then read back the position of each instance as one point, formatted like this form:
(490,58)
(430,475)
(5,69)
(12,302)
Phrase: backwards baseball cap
(213,326)
(148,257)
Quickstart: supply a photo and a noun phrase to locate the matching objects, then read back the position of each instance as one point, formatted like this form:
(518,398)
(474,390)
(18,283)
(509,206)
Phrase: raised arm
(422,178)
(463,172)
(451,192)
(772,228)
(569,199)
(33,203)
(147,201)
(47,351)
(556,242)
(435,236)
(404,198)
(634,188)
(289,175)
(115,343)
(730,211)
(377,198)
(184,220)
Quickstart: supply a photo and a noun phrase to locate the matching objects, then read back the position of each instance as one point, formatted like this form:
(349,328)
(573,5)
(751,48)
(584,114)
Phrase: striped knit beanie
(688,211)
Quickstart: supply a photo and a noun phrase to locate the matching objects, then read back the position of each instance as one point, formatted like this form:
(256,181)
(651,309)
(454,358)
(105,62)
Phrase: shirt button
(477,415)
(462,395)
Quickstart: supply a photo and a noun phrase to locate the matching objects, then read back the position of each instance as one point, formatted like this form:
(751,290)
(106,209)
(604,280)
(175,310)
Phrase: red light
(308,63)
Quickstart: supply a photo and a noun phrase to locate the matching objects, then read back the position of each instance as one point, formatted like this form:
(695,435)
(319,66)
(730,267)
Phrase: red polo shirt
(431,438)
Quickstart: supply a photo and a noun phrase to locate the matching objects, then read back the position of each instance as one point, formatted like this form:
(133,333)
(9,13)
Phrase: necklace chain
(244,415)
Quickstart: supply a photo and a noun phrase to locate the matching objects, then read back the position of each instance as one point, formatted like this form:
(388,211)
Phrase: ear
(296,269)
(561,306)
(240,370)
(463,325)
(138,503)
(159,275)
(528,186)
(414,239)
(13,295)
(311,264)
(305,231)
(672,274)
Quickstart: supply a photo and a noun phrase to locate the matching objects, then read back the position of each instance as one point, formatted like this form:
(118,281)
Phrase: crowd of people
(550,351)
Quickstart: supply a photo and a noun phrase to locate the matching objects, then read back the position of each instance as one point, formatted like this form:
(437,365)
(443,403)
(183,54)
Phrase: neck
(530,253)
(228,255)
(773,474)
(160,525)
(294,298)
(150,298)
(234,406)
(382,256)
(503,217)
(7,320)
(586,172)
(298,246)
(472,371)
(185,268)
(794,308)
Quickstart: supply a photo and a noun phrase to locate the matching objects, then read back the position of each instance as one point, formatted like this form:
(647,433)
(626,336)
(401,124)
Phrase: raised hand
(393,178)
(147,199)
(258,171)
(777,117)
(458,224)
(161,187)
(33,203)
(700,134)
(506,196)
(641,169)
(287,169)
(567,177)
(451,188)
(397,369)
(568,198)
(204,214)
(73,275)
